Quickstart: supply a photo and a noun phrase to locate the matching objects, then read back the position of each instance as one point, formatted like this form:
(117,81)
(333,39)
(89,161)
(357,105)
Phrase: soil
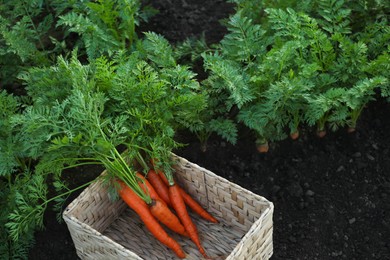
(331,195)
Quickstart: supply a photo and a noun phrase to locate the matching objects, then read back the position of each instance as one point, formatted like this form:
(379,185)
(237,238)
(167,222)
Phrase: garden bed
(331,195)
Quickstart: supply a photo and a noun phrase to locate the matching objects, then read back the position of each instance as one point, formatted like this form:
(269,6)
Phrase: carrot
(161,211)
(190,202)
(163,178)
(181,210)
(294,135)
(321,133)
(148,188)
(141,208)
(159,186)
(196,207)
(159,208)
(263,148)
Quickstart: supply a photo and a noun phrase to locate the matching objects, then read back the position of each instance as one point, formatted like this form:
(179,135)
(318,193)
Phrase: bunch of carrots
(153,197)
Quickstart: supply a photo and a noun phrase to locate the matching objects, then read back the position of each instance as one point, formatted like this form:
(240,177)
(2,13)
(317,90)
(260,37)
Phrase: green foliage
(105,26)
(28,190)
(228,76)
(154,99)
(95,40)
(30,32)
(21,38)
(10,249)
(158,50)
(351,60)
(327,107)
(226,128)
(285,103)
(17,185)
(46,85)
(282,65)
(190,50)
(335,16)
(359,95)
(377,37)
(288,63)
(245,40)
(11,158)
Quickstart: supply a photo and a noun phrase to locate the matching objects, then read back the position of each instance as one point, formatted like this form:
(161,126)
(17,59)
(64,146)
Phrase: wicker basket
(102,229)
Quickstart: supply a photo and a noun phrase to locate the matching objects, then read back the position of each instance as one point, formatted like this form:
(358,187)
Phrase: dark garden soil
(331,195)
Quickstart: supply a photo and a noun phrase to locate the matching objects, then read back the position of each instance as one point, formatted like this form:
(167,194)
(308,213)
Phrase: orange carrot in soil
(262,148)
(321,133)
(190,202)
(142,209)
(181,210)
(159,186)
(294,135)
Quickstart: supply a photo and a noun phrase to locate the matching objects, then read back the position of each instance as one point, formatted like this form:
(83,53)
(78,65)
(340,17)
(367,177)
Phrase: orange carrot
(196,207)
(190,202)
(263,148)
(163,177)
(159,208)
(181,210)
(159,186)
(161,211)
(321,133)
(148,188)
(294,135)
(141,208)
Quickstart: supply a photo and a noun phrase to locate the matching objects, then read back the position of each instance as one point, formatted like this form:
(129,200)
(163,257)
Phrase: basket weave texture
(103,229)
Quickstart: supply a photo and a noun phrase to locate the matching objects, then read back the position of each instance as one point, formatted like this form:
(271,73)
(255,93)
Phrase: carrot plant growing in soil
(81,114)
(280,68)
(13,162)
(293,68)
(34,33)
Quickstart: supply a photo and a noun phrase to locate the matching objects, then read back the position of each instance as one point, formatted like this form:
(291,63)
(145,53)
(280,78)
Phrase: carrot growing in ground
(142,209)
(262,145)
(321,133)
(294,135)
(190,202)
(160,210)
(181,210)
